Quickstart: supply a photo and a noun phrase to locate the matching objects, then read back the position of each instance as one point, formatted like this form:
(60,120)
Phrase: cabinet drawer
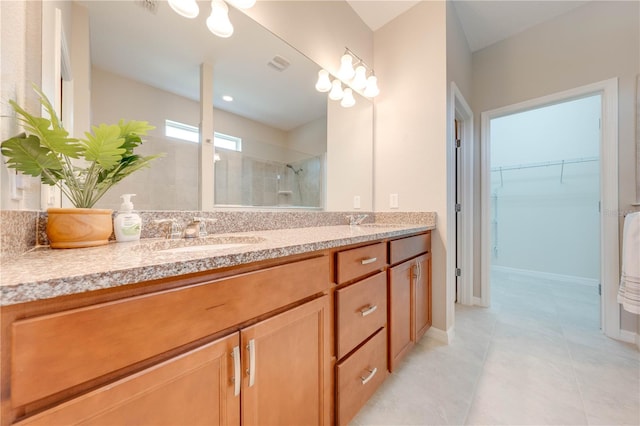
(55,352)
(360,375)
(360,261)
(406,248)
(361,310)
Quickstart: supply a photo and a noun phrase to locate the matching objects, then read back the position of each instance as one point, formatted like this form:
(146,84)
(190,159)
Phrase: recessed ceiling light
(227,98)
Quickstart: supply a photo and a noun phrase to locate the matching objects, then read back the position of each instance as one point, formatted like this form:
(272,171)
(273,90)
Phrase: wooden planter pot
(76,228)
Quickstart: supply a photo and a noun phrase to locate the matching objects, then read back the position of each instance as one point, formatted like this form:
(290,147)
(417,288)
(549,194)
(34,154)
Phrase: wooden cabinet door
(422,296)
(400,312)
(286,367)
(195,388)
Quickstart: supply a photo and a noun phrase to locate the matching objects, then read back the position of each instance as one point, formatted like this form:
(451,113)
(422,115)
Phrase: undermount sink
(205,244)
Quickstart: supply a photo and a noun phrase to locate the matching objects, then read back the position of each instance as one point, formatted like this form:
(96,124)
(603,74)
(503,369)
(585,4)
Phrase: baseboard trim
(572,279)
(441,335)
(477,301)
(629,337)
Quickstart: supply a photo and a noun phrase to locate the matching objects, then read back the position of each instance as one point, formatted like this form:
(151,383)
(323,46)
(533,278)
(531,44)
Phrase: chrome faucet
(356,219)
(197,228)
(174,230)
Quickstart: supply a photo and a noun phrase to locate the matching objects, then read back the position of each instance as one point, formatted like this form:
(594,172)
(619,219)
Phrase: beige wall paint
(20,66)
(595,42)
(80,55)
(410,127)
(458,54)
(349,156)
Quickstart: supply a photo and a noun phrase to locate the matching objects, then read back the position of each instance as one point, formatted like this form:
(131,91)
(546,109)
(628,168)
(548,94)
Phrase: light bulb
(242,4)
(323,84)
(348,100)
(372,90)
(186,8)
(346,71)
(360,80)
(336,92)
(218,22)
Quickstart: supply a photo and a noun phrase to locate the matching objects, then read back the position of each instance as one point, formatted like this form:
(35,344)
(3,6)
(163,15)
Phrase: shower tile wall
(242,180)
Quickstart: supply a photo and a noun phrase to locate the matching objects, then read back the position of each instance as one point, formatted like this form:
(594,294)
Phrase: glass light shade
(336,92)
(360,80)
(186,8)
(323,84)
(348,100)
(218,22)
(372,90)
(242,4)
(346,71)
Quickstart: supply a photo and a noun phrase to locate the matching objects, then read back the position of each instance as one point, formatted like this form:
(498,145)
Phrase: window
(232,143)
(181,131)
(185,132)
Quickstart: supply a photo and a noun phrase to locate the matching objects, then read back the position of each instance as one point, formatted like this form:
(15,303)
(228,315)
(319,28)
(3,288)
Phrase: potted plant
(84,169)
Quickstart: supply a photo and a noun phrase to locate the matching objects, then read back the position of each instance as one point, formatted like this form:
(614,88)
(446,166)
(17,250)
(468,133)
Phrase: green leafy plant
(84,169)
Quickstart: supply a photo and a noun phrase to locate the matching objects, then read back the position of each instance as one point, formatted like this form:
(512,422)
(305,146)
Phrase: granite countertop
(44,273)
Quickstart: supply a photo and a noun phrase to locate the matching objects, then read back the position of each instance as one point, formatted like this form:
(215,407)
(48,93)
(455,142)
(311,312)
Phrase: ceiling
(484,22)
(164,50)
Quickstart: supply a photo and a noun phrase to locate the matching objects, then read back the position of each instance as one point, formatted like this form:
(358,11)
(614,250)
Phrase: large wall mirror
(270,141)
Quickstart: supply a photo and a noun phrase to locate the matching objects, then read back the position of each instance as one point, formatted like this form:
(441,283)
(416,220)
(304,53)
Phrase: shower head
(294,169)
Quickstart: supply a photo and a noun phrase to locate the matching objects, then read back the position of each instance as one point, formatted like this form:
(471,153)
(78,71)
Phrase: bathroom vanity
(299,326)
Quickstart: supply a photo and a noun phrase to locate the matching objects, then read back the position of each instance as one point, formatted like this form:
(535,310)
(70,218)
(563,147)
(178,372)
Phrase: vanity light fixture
(187,8)
(324,83)
(347,99)
(346,71)
(354,80)
(218,21)
(336,92)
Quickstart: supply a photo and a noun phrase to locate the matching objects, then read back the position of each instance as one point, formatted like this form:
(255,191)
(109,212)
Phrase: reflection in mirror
(149,70)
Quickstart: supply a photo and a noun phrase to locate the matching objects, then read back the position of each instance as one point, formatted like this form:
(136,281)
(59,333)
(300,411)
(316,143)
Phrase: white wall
(410,127)
(545,218)
(595,42)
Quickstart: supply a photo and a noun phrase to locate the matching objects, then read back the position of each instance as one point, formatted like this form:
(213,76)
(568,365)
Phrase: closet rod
(545,164)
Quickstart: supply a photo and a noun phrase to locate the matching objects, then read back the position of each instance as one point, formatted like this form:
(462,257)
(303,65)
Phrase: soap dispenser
(127,224)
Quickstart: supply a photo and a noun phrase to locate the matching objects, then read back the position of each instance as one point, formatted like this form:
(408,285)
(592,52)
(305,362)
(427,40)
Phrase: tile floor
(536,357)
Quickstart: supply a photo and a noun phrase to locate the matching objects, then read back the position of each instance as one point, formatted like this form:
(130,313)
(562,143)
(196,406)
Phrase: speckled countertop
(43,273)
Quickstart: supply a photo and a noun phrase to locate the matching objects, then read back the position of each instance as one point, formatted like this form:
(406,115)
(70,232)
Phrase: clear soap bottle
(127,224)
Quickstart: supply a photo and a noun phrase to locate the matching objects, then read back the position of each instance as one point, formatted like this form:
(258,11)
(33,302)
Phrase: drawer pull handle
(252,362)
(236,370)
(368,260)
(372,373)
(368,310)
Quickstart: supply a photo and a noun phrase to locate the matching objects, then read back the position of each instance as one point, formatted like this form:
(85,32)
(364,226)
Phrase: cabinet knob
(368,260)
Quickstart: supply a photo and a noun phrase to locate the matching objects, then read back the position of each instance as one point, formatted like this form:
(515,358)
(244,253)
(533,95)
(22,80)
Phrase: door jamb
(461,110)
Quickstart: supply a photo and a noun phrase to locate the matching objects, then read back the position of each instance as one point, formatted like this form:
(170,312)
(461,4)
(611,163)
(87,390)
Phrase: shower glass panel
(276,177)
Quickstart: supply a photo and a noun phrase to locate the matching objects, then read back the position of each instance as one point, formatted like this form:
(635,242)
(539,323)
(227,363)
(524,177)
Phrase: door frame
(461,111)
(609,239)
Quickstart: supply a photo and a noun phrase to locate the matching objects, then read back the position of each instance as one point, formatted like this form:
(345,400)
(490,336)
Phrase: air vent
(150,5)
(279,63)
